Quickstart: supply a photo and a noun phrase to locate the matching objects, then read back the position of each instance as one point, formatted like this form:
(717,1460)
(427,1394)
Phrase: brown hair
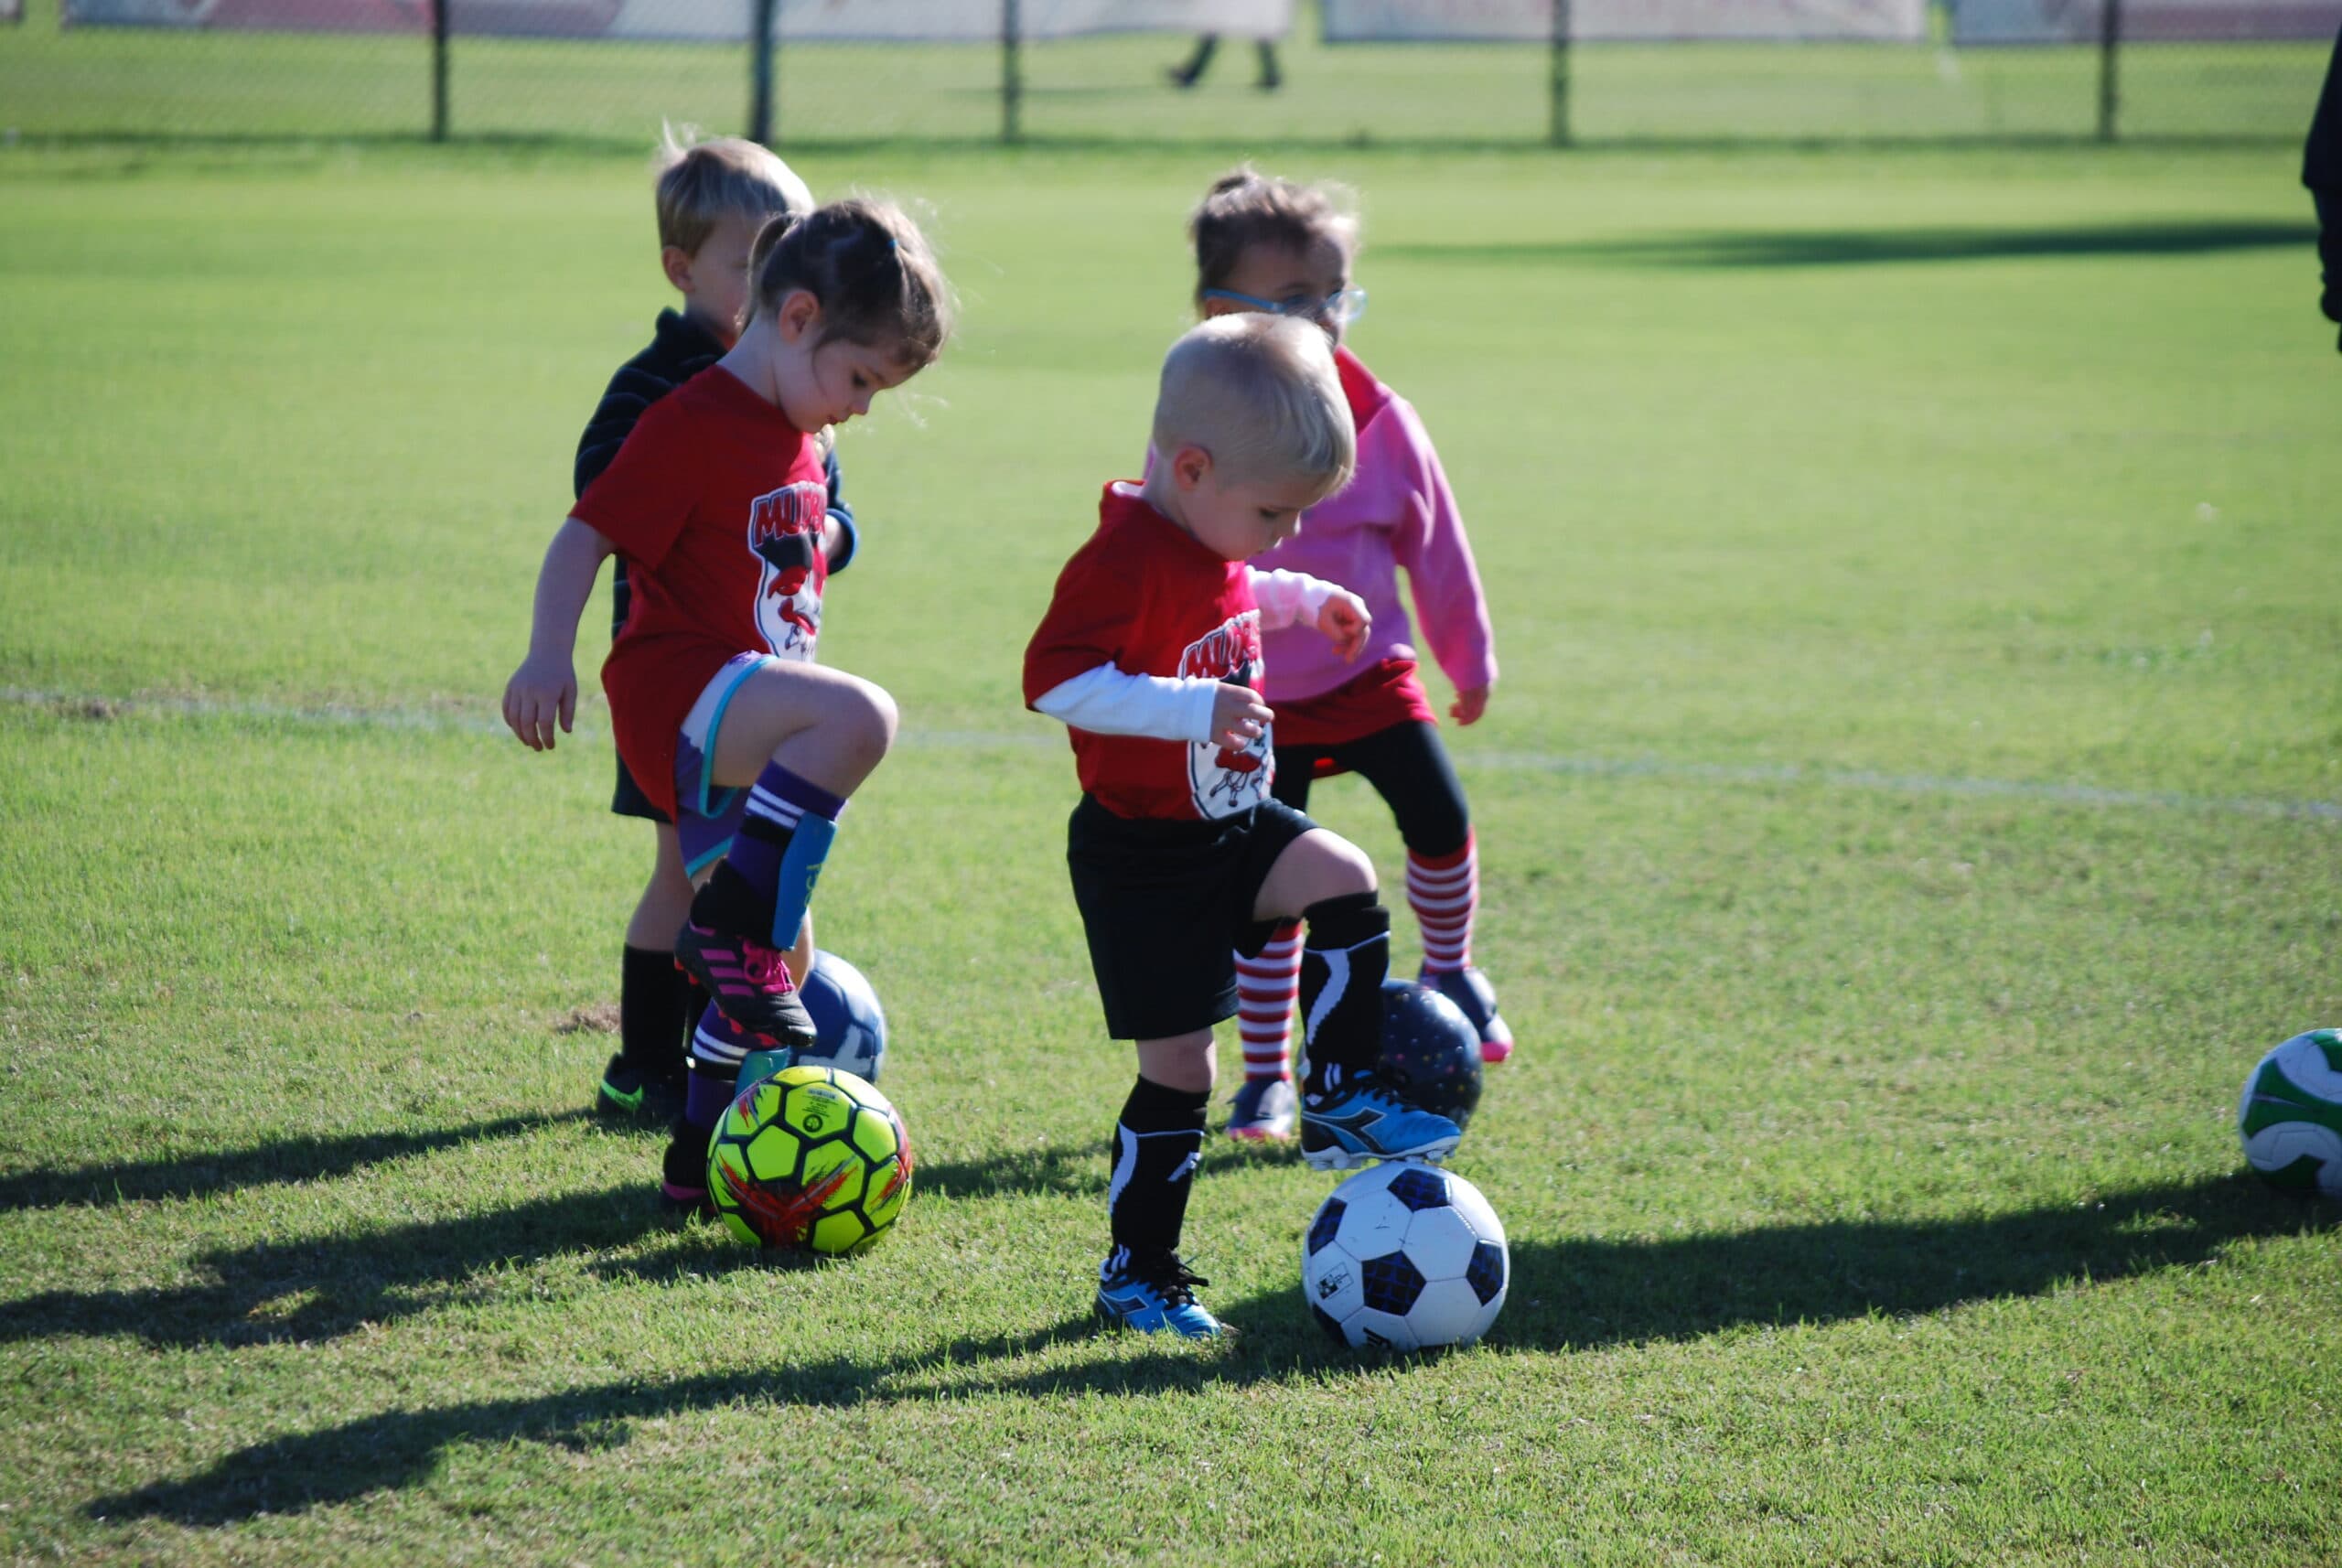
(869,267)
(700,185)
(1246,207)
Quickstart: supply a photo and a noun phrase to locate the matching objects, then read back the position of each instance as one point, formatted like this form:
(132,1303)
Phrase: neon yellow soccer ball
(810,1158)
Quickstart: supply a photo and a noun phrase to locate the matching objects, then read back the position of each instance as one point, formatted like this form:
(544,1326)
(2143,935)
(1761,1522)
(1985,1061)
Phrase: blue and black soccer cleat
(1153,1293)
(1362,1118)
(1476,1000)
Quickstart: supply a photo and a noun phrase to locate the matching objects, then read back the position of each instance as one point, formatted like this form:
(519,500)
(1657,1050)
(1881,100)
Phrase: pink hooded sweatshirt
(1396,511)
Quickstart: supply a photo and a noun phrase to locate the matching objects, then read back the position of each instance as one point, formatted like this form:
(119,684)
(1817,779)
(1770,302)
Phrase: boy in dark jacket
(712,197)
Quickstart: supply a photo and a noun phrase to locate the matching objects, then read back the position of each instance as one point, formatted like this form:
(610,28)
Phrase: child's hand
(541,691)
(1468,706)
(1345,620)
(1237,716)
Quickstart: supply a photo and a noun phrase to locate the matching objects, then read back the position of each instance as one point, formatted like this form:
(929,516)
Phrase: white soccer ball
(1406,1257)
(2290,1115)
(849,1026)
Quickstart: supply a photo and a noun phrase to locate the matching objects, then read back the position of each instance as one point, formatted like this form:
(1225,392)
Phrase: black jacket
(680,348)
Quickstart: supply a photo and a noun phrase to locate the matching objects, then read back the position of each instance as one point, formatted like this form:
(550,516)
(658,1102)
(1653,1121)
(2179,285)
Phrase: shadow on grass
(1075,1171)
(322,1287)
(1847,247)
(1567,1295)
(286,1160)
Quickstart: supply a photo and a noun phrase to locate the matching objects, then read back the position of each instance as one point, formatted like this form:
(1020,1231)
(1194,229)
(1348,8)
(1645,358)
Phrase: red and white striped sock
(1265,989)
(1444,891)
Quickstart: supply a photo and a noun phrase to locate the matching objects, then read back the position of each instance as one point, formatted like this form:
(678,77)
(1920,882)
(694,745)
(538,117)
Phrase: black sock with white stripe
(1344,960)
(1156,1145)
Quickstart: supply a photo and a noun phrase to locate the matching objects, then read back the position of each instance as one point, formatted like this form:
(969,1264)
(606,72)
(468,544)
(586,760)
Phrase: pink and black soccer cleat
(749,982)
(1477,999)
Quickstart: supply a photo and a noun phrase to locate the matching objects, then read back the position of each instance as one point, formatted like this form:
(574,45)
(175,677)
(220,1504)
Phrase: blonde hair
(699,184)
(868,266)
(1245,208)
(1261,394)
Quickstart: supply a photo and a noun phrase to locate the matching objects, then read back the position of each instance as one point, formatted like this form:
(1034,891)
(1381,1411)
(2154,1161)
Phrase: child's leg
(1329,882)
(1158,1138)
(1410,768)
(1349,1115)
(1266,984)
(658,1004)
(801,738)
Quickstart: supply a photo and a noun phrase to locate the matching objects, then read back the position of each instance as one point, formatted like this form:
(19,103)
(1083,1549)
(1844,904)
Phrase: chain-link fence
(368,69)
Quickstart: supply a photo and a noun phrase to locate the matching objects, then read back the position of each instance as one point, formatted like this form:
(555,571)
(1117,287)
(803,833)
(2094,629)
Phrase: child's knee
(866,720)
(1340,868)
(1184,1062)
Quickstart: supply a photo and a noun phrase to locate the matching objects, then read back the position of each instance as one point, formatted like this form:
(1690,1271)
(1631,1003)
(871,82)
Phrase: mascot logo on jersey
(785,535)
(1225,782)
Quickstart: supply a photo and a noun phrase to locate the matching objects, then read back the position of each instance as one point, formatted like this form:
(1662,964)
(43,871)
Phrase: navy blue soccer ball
(1427,1038)
(849,1026)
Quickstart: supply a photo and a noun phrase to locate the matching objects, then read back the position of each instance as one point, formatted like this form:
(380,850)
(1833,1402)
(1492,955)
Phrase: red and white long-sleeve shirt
(1144,628)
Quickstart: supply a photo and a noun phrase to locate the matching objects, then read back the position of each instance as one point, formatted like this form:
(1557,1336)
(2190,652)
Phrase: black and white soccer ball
(1406,1257)
(849,1026)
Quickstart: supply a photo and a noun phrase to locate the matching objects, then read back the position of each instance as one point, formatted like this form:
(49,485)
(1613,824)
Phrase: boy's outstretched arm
(544,691)
(1297,598)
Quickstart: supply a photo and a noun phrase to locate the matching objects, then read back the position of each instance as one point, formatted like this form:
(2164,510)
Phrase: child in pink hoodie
(1267,245)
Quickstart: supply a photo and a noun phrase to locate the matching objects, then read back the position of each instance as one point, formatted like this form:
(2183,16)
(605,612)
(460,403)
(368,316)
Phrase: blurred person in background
(1191,72)
(2322,172)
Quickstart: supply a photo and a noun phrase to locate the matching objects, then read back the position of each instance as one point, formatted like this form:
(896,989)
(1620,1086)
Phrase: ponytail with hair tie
(890,296)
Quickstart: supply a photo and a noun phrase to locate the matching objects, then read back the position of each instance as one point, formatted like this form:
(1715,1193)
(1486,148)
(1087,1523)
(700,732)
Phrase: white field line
(466,720)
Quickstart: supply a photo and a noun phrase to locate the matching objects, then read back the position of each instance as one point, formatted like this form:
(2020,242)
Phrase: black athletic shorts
(629,800)
(1166,905)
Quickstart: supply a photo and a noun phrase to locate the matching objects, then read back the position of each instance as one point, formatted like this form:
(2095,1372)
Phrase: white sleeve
(1287,597)
(1105,701)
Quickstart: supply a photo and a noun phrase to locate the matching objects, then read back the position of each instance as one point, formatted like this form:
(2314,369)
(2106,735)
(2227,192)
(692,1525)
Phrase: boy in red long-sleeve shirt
(1180,854)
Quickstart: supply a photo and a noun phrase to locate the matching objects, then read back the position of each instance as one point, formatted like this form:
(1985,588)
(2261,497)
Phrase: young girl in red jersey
(1267,245)
(718,500)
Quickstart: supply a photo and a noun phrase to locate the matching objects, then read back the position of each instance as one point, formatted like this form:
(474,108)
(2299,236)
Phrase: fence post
(1012,76)
(762,30)
(439,69)
(1558,132)
(2110,49)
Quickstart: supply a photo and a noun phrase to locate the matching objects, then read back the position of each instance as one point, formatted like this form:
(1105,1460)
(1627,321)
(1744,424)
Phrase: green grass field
(1909,807)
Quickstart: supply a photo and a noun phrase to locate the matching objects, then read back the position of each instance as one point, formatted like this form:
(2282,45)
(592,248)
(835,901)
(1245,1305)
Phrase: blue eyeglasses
(1341,307)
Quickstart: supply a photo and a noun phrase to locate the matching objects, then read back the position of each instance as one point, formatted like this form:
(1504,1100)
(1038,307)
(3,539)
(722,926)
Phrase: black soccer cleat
(683,1174)
(631,1094)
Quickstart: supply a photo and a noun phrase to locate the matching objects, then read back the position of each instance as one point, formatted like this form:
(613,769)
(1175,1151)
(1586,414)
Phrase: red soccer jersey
(1146,597)
(717,503)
